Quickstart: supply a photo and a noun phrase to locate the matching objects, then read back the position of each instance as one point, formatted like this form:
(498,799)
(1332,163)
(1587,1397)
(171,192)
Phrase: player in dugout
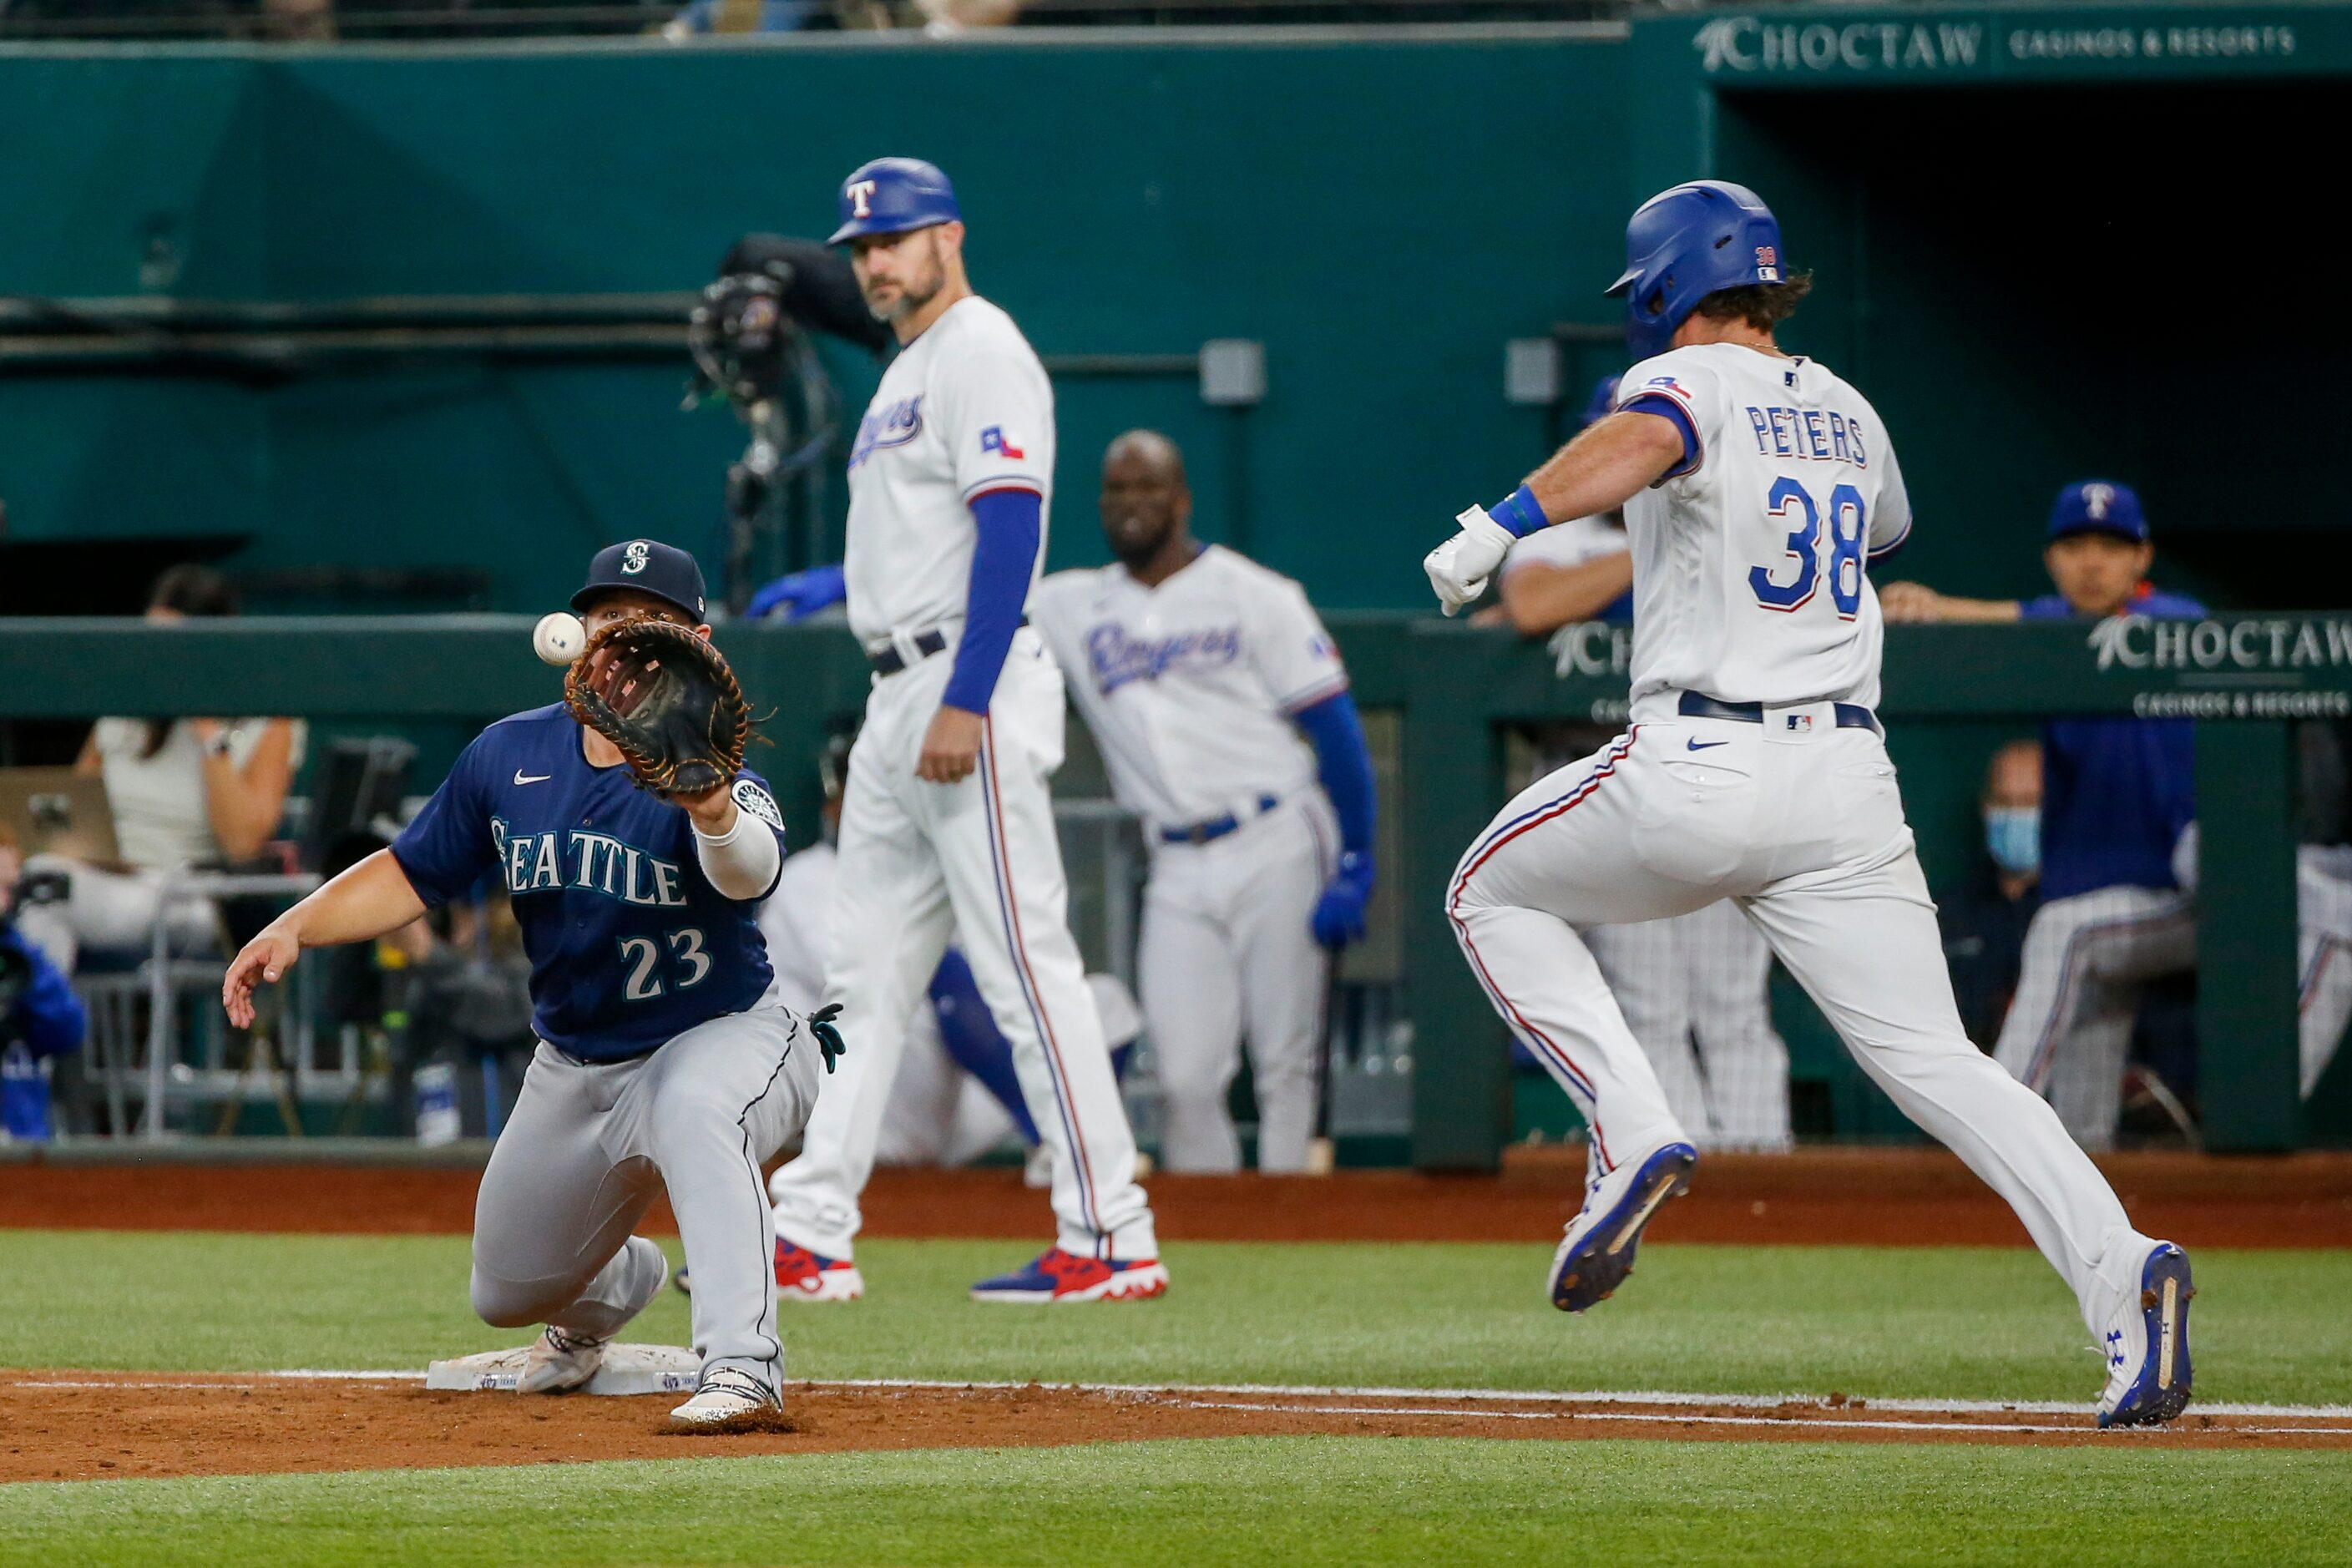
(2118,840)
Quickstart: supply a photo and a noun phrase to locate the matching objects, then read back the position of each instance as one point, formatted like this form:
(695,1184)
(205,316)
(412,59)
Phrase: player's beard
(915,293)
(1135,548)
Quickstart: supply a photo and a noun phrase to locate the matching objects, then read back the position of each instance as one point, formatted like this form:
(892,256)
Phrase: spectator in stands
(2117,847)
(40,1018)
(184,793)
(1985,918)
(706,17)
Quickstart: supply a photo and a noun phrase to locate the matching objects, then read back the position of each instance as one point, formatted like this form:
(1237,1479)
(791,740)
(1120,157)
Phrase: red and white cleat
(1058,1276)
(805,1276)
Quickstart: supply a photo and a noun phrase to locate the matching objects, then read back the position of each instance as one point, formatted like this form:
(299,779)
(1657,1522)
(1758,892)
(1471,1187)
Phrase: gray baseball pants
(589,1146)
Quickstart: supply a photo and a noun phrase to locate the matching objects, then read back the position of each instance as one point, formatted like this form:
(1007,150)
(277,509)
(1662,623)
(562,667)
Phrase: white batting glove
(1458,569)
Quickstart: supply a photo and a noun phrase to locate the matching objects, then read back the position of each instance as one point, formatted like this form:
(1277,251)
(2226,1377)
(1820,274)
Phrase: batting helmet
(892,195)
(1683,245)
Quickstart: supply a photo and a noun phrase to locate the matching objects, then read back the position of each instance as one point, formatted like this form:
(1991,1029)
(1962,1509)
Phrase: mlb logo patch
(994,439)
(1799,723)
(1768,263)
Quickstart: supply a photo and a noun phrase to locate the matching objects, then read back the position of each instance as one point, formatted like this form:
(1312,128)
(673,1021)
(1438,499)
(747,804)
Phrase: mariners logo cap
(646,566)
(2098,506)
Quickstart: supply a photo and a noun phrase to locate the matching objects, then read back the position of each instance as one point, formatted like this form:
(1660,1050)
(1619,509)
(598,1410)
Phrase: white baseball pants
(1694,989)
(1801,823)
(2068,1032)
(592,1143)
(1227,952)
(978,861)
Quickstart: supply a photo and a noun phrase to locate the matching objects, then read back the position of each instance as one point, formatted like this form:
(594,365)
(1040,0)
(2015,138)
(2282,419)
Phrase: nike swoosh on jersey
(523,778)
(1694,744)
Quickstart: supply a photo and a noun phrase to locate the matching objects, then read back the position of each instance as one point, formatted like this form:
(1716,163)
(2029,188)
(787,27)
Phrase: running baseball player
(1199,671)
(1694,989)
(2118,841)
(946,826)
(662,1058)
(1755,485)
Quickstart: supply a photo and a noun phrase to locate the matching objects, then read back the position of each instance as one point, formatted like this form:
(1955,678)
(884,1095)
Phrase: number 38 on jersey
(1824,548)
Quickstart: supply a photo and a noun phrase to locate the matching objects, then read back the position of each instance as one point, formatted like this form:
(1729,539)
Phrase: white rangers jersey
(1749,564)
(1188,687)
(964,409)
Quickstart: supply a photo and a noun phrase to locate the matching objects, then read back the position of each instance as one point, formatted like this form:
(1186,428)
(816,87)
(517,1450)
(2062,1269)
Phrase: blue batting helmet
(892,195)
(1683,245)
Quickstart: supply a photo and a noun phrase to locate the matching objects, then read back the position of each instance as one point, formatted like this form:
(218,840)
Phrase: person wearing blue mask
(1984,920)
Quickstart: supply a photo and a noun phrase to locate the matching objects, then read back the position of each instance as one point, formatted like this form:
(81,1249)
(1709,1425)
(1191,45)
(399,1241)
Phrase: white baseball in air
(559,637)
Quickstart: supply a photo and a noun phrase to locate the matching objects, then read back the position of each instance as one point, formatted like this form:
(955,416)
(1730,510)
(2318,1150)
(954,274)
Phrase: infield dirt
(1884,1197)
(65,1425)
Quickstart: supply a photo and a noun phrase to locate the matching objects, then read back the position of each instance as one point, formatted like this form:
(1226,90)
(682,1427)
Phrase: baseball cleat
(559,1362)
(1598,1251)
(731,1401)
(1058,1276)
(805,1276)
(2148,1345)
(685,1286)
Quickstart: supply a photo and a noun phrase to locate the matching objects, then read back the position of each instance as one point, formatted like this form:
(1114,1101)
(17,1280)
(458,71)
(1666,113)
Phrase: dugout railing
(1454,691)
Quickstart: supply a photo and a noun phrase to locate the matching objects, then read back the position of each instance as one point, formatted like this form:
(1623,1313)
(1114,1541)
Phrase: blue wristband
(1518,513)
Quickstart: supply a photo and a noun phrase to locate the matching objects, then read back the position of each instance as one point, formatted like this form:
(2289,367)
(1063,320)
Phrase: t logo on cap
(2096,499)
(632,559)
(861,195)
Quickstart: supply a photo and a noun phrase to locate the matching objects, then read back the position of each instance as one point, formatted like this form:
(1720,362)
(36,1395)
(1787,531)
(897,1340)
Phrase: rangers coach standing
(946,826)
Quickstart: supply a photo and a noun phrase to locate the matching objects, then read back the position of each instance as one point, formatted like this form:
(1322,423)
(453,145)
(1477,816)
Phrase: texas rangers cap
(645,566)
(2098,506)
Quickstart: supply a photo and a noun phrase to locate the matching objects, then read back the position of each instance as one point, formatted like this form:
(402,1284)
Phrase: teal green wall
(1383,215)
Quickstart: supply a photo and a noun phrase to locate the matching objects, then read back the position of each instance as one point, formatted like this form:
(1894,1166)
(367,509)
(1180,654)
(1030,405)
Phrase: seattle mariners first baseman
(946,827)
(662,1058)
(1755,484)
(1197,671)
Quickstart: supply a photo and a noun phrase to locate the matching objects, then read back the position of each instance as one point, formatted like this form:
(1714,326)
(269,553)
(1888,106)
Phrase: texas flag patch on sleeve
(994,439)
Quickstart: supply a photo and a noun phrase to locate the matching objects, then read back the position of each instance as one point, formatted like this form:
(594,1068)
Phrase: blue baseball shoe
(2147,1345)
(1598,1251)
(1058,1276)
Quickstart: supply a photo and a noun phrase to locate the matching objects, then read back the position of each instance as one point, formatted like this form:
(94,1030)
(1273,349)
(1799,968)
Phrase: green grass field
(1963,1323)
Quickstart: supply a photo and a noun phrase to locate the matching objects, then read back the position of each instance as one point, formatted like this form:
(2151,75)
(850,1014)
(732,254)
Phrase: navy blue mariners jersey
(2116,792)
(629,943)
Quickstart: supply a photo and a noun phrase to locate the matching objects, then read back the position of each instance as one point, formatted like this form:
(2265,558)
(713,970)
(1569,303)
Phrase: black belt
(1216,827)
(890,661)
(1695,705)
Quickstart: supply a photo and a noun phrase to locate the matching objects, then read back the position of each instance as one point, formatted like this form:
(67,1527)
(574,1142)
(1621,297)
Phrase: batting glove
(797,595)
(1458,569)
(1340,913)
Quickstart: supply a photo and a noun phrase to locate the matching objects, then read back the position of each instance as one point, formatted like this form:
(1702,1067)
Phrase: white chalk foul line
(1633,1399)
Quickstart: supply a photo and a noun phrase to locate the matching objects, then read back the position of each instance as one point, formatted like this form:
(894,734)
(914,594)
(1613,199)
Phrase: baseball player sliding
(1197,671)
(946,826)
(1755,485)
(662,1059)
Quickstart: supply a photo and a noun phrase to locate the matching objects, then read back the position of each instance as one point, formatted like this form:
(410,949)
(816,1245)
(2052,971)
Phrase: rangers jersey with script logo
(1749,580)
(963,410)
(1188,687)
